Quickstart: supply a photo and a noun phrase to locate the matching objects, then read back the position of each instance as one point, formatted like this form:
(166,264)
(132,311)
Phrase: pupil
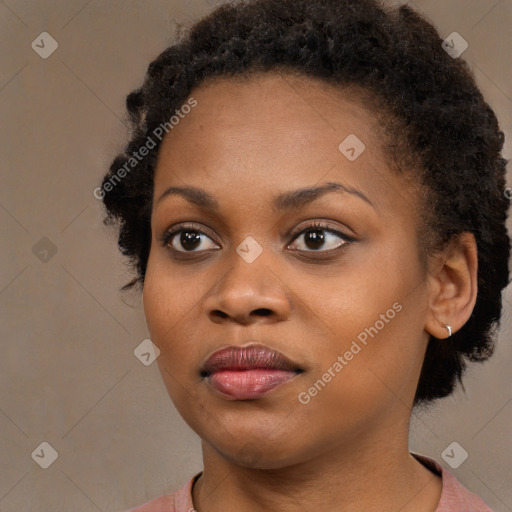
(190,239)
(316,239)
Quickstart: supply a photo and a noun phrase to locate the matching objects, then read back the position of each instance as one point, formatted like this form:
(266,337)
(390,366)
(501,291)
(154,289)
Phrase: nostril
(263,311)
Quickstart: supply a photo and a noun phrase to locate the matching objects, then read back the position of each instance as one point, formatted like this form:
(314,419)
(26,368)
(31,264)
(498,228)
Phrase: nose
(248,293)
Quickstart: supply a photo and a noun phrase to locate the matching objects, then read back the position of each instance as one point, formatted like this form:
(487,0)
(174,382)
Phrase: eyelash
(315,226)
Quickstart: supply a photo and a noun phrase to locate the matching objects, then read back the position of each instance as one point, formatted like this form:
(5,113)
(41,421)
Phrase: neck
(373,474)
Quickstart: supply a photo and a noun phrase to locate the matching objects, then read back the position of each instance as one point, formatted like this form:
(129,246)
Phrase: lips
(247,373)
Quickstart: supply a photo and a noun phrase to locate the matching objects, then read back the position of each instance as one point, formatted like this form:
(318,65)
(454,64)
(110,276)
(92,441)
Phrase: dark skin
(347,449)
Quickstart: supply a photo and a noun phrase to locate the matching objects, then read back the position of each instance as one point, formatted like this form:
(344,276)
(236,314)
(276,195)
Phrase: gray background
(68,374)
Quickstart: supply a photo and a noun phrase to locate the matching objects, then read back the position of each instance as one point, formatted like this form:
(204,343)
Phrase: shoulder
(454,496)
(178,501)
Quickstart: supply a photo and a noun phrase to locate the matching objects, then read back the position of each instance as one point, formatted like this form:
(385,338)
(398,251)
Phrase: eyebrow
(285,201)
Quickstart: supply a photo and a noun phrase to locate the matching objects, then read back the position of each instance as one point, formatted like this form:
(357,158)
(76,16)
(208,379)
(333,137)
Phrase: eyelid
(324,226)
(168,233)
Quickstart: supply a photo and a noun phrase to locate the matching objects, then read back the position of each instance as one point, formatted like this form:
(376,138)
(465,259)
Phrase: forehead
(277,131)
(266,104)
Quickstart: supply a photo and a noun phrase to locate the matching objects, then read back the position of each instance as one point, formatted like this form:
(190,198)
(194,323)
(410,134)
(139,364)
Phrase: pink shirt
(454,496)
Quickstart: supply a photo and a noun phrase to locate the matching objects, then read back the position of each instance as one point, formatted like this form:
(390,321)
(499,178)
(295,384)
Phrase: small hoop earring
(449,329)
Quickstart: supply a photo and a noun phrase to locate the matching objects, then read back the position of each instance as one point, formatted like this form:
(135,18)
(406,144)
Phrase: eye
(321,236)
(191,239)
(318,237)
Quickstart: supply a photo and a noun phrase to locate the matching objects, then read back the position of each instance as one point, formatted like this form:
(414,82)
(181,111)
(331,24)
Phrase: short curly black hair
(439,128)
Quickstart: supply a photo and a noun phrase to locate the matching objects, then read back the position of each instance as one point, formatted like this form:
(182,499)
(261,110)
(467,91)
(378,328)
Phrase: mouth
(247,373)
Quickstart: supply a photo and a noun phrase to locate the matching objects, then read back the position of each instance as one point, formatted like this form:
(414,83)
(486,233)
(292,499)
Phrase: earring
(449,329)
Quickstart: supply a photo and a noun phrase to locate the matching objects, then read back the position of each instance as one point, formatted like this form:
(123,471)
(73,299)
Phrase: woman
(313,201)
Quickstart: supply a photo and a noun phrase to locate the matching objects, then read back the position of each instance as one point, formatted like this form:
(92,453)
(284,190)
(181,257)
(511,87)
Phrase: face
(330,278)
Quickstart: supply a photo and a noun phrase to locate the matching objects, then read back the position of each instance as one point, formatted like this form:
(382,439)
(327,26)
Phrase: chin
(260,453)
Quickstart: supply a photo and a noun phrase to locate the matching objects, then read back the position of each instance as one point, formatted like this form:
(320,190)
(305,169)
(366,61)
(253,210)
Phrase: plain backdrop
(68,373)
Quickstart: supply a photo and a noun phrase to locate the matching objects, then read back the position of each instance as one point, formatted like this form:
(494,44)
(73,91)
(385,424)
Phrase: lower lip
(248,384)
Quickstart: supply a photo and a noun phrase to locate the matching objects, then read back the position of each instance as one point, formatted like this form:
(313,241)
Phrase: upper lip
(247,358)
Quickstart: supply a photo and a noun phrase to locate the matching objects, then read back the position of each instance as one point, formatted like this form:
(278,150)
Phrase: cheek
(358,383)
(373,321)
(166,311)
(170,304)
(169,295)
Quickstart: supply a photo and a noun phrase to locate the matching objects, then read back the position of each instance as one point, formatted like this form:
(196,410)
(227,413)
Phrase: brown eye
(320,238)
(188,240)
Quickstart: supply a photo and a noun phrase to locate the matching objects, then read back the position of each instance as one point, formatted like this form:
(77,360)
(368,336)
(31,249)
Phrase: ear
(452,285)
